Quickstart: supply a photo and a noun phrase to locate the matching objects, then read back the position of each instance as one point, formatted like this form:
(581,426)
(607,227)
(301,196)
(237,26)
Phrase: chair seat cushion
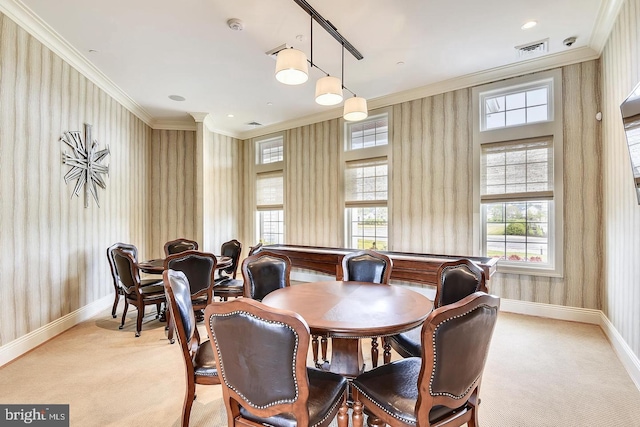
(325,395)
(229,287)
(408,344)
(394,389)
(148,281)
(151,290)
(205,362)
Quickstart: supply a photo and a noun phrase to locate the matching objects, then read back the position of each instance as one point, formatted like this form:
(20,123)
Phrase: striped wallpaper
(165,184)
(620,73)
(55,249)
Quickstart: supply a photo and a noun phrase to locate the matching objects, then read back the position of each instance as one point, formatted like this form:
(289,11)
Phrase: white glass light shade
(329,91)
(291,67)
(355,109)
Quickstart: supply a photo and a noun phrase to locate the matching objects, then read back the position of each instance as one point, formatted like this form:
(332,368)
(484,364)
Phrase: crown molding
(206,119)
(189,125)
(34,25)
(605,21)
(532,65)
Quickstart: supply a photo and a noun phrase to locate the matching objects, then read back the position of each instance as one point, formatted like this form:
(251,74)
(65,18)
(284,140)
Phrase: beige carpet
(540,373)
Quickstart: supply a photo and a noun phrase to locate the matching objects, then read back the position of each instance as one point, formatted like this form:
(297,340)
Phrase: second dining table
(349,311)
(156,266)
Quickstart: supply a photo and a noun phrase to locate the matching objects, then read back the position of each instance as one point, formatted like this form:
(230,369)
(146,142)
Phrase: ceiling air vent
(254,124)
(533,49)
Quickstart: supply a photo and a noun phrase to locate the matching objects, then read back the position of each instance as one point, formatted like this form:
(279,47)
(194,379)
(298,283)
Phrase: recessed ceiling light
(529,24)
(177,97)
(400,63)
(230,115)
(269,104)
(93,51)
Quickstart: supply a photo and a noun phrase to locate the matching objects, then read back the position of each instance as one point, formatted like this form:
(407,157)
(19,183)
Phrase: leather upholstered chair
(134,293)
(362,266)
(456,280)
(199,268)
(199,360)
(179,245)
(261,354)
(265,272)
(226,285)
(117,287)
(366,266)
(440,388)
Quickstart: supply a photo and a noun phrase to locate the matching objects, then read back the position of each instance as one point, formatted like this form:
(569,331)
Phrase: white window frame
(364,154)
(264,169)
(552,128)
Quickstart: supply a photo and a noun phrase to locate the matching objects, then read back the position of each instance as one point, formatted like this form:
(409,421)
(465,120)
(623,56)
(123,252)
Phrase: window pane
(516,117)
(515,101)
(524,234)
(270,226)
(269,189)
(537,114)
(270,150)
(366,180)
(537,97)
(368,228)
(495,120)
(368,133)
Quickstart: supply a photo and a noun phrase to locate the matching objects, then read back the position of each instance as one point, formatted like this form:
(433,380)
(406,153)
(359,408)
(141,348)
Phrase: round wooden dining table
(349,311)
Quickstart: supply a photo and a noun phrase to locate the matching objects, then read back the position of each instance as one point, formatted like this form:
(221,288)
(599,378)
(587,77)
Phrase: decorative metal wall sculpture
(85,164)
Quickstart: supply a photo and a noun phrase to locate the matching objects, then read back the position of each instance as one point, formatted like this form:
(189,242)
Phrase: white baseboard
(583,315)
(27,342)
(622,349)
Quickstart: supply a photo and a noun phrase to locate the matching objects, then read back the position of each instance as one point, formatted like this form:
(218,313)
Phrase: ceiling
(147,50)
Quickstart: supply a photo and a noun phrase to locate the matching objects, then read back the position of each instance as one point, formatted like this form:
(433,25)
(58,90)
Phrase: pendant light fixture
(291,67)
(355,108)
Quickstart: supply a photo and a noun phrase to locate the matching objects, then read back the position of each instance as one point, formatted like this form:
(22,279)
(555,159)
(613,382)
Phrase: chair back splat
(442,386)
(366,266)
(265,272)
(261,354)
(199,360)
(179,245)
(456,280)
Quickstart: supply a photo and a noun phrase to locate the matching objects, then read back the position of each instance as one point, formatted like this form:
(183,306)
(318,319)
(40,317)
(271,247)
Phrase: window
(270,150)
(516,189)
(269,184)
(517,105)
(366,184)
(518,183)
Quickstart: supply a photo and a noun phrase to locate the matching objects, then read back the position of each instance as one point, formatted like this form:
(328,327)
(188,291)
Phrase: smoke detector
(235,24)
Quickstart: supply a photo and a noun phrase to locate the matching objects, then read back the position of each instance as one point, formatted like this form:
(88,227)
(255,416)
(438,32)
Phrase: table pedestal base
(343,361)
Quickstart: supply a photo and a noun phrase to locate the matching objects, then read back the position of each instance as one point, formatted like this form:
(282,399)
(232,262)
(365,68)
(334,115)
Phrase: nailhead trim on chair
(435,356)
(404,420)
(221,368)
(327,414)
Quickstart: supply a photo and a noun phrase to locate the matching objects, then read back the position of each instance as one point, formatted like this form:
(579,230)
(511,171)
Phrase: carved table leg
(357,417)
(387,350)
(314,348)
(324,344)
(374,352)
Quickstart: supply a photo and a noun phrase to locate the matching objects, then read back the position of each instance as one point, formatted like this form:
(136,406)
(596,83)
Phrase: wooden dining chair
(226,285)
(179,245)
(265,378)
(117,286)
(441,387)
(199,268)
(199,360)
(134,293)
(456,280)
(361,266)
(265,272)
